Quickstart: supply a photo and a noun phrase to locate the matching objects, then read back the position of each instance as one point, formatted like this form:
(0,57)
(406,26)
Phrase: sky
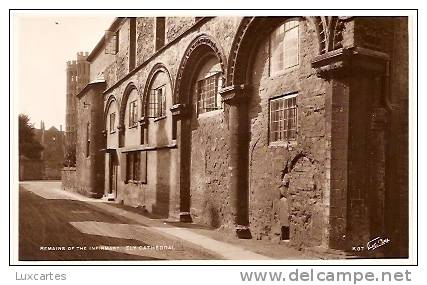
(42,46)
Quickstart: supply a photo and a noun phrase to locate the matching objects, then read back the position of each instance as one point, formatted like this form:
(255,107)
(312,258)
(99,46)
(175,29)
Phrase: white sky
(41,50)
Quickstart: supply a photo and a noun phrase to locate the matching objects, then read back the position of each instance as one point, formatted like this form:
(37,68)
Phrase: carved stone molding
(352,61)
(200,41)
(179,110)
(233,94)
(235,47)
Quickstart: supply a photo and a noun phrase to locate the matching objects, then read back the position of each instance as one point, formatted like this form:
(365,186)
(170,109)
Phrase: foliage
(28,145)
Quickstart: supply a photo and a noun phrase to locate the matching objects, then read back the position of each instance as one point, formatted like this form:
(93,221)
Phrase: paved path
(134,226)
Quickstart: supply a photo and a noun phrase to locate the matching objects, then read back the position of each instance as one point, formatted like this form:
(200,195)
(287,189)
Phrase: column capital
(179,110)
(143,121)
(233,93)
(351,62)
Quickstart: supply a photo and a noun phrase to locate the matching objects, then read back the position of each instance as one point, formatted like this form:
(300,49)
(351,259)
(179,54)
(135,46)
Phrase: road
(53,226)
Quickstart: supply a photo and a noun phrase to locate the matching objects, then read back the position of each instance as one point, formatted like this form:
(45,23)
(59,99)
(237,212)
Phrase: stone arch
(329,32)
(157,68)
(201,45)
(129,88)
(329,37)
(110,101)
(122,111)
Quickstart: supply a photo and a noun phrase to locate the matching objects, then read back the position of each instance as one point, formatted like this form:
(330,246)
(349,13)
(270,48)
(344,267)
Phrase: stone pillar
(97,138)
(357,158)
(377,175)
(182,123)
(143,122)
(121,129)
(238,125)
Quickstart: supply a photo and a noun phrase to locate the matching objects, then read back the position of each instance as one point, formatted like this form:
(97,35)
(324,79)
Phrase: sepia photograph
(200,137)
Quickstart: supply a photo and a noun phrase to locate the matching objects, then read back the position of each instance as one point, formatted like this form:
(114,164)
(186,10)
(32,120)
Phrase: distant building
(291,128)
(77,78)
(52,155)
(49,166)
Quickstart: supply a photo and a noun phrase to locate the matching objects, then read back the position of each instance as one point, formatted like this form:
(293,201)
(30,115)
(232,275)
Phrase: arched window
(284,46)
(206,86)
(132,109)
(157,102)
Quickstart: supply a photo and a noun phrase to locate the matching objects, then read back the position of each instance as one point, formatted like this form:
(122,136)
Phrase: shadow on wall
(161,206)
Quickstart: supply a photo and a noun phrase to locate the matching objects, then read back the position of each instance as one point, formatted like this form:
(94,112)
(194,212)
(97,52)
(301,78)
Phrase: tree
(28,145)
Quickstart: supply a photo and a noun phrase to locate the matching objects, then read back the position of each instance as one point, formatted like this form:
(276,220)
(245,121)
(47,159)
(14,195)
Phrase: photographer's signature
(377,242)
(372,244)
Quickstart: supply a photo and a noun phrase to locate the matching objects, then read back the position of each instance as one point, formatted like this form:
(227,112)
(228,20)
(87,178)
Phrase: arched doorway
(256,90)
(111,119)
(197,104)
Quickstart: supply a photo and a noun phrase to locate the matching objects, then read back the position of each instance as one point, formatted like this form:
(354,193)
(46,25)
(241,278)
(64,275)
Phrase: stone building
(49,166)
(291,128)
(77,78)
(52,155)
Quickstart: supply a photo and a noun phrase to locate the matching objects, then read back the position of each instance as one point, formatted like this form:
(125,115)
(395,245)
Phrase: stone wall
(90,157)
(293,173)
(175,26)
(290,185)
(209,138)
(31,169)
(144,39)
(398,135)
(209,170)
(68,177)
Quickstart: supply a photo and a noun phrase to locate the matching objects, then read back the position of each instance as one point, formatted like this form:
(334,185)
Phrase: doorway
(114,165)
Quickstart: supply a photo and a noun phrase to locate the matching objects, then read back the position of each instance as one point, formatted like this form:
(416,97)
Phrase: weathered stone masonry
(333,187)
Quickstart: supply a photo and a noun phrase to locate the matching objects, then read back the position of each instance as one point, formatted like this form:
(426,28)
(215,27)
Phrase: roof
(99,79)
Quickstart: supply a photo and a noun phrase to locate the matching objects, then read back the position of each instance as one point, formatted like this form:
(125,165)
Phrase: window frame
(218,105)
(112,122)
(111,42)
(287,141)
(159,104)
(133,167)
(133,114)
(87,140)
(284,68)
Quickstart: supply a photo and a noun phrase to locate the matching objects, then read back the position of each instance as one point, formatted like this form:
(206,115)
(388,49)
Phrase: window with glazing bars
(112,42)
(283,119)
(133,165)
(207,94)
(284,46)
(157,103)
(112,122)
(133,114)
